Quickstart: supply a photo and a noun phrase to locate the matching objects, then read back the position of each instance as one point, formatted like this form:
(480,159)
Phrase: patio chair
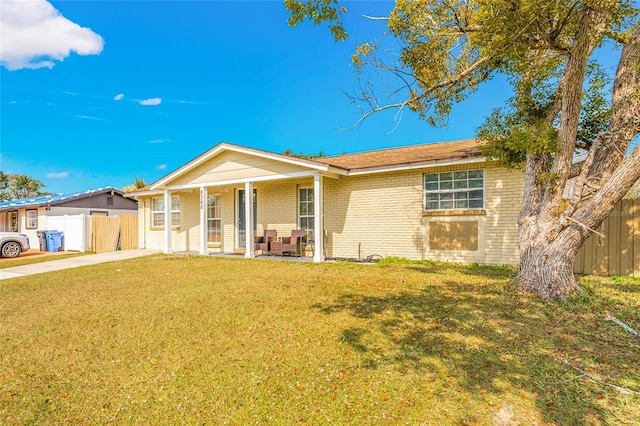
(288,244)
(264,242)
(308,245)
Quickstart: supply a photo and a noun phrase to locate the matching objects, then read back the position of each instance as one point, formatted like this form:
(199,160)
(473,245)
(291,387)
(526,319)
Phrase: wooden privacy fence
(618,253)
(110,233)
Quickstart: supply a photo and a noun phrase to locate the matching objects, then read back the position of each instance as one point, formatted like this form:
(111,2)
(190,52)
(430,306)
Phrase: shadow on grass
(484,339)
(435,267)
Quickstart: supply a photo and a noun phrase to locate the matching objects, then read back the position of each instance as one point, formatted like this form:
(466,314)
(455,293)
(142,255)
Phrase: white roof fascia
(436,163)
(244,180)
(256,153)
(142,193)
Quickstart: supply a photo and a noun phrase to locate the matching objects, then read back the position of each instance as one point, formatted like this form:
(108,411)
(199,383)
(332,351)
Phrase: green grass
(195,340)
(28,260)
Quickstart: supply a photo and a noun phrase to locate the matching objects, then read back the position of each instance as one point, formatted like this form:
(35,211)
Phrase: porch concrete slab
(241,256)
(72,262)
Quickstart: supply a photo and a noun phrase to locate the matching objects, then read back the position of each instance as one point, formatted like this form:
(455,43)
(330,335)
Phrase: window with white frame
(461,190)
(32,219)
(13,221)
(305,209)
(214,219)
(157,211)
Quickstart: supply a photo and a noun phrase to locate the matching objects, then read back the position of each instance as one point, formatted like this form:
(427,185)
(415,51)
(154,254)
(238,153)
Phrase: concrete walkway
(72,262)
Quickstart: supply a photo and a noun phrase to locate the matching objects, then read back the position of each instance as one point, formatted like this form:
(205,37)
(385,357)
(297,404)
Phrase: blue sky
(137,88)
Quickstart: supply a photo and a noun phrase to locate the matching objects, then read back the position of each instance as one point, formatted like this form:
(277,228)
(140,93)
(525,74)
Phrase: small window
(32,219)
(214,219)
(461,190)
(109,200)
(305,209)
(157,212)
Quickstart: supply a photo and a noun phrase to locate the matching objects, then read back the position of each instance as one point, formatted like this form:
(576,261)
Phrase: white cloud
(159,140)
(118,97)
(88,117)
(34,35)
(151,101)
(161,166)
(60,175)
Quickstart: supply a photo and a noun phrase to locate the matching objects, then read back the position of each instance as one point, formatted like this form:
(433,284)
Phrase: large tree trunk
(548,249)
(546,267)
(549,239)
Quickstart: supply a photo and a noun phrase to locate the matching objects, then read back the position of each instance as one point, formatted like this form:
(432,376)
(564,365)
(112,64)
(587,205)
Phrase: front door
(241,237)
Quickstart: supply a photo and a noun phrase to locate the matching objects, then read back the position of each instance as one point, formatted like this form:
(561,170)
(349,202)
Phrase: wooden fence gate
(110,233)
(618,253)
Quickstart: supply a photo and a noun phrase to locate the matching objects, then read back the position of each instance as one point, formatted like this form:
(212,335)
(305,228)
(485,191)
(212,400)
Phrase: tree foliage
(290,153)
(138,183)
(13,187)
(318,12)
(563,101)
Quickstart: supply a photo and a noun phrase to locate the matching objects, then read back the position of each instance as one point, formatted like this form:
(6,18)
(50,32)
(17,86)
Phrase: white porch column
(248,220)
(203,220)
(167,221)
(318,218)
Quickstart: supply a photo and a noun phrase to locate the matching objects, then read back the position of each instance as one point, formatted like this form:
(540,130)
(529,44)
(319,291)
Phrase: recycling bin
(55,241)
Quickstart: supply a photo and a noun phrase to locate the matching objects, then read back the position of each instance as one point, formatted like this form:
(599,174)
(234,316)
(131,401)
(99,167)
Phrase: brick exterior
(378,213)
(383,214)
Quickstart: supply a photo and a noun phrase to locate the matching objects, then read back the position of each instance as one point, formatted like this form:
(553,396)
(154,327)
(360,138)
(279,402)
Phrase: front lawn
(198,340)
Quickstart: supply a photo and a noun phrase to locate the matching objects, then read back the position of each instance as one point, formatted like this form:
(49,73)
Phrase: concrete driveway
(72,262)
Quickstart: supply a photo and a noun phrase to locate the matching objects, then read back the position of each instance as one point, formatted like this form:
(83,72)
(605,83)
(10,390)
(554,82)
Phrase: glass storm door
(241,240)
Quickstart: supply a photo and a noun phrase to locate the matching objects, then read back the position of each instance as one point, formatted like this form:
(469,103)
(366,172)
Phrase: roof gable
(234,158)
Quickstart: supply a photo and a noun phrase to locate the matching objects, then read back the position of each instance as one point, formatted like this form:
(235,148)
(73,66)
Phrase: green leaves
(318,11)
(508,137)
(596,108)
(14,187)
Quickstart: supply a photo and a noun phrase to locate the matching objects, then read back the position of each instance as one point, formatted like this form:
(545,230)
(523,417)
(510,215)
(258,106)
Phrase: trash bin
(42,239)
(55,241)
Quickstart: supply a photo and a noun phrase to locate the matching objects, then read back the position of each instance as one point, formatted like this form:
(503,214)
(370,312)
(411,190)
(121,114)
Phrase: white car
(13,243)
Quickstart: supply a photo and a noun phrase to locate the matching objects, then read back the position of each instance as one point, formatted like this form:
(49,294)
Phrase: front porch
(227,223)
(222,200)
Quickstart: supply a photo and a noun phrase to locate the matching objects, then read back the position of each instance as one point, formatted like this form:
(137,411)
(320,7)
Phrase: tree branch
(620,389)
(594,210)
(623,325)
(590,27)
(625,113)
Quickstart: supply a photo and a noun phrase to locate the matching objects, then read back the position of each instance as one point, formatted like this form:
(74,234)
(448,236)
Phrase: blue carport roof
(52,199)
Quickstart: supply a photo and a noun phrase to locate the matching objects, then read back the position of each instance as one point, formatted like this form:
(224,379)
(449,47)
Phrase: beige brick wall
(278,205)
(383,214)
(277,208)
(186,237)
(504,190)
(374,214)
(364,215)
